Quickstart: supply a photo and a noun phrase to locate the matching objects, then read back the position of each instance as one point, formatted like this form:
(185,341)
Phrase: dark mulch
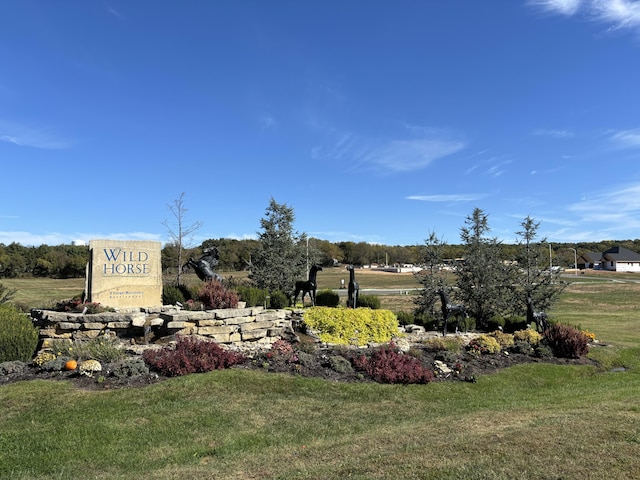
(318,364)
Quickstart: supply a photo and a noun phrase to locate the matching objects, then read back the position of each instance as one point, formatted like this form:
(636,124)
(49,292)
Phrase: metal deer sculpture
(353,288)
(204,267)
(540,317)
(451,310)
(308,287)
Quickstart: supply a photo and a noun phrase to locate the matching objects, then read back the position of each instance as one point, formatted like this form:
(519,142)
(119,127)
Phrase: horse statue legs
(354,288)
(540,318)
(451,309)
(309,286)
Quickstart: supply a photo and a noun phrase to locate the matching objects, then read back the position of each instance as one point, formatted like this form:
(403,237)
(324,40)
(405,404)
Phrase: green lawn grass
(535,421)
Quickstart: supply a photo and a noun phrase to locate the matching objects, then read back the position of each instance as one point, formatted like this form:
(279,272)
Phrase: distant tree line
(69,261)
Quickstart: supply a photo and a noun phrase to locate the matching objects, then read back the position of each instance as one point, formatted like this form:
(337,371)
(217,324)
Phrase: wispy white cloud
(391,156)
(493,167)
(267,122)
(627,138)
(620,13)
(563,7)
(450,198)
(410,155)
(616,212)
(553,133)
(57,238)
(617,14)
(23,136)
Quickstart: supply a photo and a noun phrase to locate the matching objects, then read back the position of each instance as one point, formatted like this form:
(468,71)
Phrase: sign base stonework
(124,273)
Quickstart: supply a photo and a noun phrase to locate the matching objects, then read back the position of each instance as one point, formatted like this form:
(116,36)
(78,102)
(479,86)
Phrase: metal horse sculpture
(309,286)
(353,288)
(204,267)
(451,310)
(540,317)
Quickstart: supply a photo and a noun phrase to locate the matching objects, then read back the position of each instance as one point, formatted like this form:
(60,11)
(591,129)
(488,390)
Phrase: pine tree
(281,257)
(535,282)
(484,280)
(432,277)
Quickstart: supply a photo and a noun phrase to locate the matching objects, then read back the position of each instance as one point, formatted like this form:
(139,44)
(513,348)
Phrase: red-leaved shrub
(214,294)
(387,365)
(191,355)
(566,341)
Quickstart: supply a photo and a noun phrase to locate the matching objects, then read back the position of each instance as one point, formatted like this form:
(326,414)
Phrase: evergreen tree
(432,277)
(539,284)
(281,257)
(484,280)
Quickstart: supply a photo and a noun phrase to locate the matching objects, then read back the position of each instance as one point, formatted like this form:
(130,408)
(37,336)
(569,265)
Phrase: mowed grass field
(535,421)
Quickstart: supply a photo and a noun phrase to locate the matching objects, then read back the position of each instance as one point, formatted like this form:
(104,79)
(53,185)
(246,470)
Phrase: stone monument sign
(124,273)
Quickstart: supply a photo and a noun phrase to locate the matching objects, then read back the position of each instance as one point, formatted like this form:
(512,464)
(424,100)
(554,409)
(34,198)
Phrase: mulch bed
(474,366)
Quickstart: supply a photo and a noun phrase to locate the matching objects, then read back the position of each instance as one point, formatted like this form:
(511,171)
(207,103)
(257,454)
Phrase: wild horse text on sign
(126,273)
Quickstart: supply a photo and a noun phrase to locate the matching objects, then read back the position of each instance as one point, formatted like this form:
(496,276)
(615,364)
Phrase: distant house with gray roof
(620,259)
(589,260)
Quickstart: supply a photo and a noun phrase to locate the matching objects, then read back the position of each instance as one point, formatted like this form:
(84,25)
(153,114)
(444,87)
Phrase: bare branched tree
(181,235)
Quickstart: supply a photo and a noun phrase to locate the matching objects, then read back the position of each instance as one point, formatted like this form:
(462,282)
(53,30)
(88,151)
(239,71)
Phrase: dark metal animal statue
(308,287)
(540,317)
(204,267)
(451,310)
(353,288)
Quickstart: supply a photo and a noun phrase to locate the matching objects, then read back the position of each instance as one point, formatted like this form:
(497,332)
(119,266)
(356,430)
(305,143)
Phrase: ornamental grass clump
(191,355)
(387,365)
(18,336)
(353,326)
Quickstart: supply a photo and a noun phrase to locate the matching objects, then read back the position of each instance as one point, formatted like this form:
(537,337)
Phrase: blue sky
(377,121)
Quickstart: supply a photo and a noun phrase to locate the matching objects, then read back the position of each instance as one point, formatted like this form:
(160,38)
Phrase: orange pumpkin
(71,365)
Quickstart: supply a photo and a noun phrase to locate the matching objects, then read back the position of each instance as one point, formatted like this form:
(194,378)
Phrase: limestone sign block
(124,273)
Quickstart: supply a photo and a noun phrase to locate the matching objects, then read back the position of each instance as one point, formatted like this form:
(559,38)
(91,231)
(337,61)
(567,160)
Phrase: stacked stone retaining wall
(231,326)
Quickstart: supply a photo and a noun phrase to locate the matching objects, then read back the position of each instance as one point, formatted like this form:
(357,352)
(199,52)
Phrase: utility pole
(575,260)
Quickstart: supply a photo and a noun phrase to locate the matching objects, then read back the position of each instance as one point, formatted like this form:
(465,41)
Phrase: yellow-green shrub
(484,344)
(352,326)
(528,335)
(504,339)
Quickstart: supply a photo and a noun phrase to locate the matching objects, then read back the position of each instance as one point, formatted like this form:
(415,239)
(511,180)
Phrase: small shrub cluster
(76,305)
(386,365)
(16,366)
(527,335)
(566,341)
(484,344)
(352,326)
(505,340)
(278,300)
(43,358)
(368,301)
(104,349)
(215,295)
(55,365)
(251,295)
(18,336)
(327,298)
(131,367)
(405,318)
(441,344)
(191,355)
(172,295)
(283,351)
